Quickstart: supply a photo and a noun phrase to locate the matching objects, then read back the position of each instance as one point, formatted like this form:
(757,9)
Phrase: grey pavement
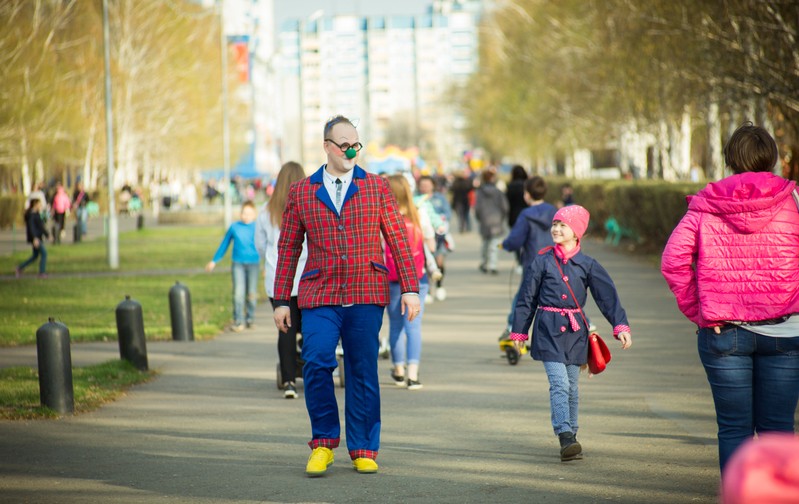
(214,428)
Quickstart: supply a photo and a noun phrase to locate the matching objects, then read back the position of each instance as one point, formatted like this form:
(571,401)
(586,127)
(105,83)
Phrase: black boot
(570,448)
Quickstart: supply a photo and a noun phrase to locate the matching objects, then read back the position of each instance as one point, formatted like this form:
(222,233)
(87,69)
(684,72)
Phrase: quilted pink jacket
(734,256)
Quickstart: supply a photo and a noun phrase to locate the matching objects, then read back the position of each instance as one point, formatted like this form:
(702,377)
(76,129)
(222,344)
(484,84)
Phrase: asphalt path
(214,428)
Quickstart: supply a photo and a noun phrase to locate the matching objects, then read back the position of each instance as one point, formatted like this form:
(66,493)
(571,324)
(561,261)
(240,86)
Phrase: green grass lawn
(149,265)
(92,386)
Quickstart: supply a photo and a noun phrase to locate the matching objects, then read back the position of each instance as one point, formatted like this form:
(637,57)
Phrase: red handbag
(598,354)
(598,351)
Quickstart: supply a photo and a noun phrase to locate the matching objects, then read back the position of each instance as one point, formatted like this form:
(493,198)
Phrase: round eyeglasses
(357,146)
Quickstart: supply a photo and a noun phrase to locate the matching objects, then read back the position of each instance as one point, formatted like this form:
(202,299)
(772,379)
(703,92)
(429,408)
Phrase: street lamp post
(113,231)
(225,118)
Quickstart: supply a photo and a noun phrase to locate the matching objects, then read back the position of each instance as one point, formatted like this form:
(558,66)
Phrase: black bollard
(76,234)
(55,367)
(180,313)
(130,329)
(139,222)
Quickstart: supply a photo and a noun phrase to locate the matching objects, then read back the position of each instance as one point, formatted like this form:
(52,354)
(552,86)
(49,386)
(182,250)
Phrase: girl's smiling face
(562,234)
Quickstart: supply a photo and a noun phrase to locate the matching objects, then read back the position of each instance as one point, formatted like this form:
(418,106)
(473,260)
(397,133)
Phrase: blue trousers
(37,252)
(358,327)
(755,384)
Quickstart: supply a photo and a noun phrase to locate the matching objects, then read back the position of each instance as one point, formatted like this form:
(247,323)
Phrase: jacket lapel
(321,192)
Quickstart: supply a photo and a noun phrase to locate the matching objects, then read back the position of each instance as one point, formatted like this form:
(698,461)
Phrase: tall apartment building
(393,75)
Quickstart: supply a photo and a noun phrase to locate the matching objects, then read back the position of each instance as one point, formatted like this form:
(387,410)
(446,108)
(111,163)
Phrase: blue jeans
(564,396)
(245,291)
(82,215)
(408,349)
(755,383)
(41,251)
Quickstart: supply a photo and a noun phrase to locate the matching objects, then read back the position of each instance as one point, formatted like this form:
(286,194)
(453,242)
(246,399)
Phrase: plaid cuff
(620,329)
(324,443)
(515,336)
(370,454)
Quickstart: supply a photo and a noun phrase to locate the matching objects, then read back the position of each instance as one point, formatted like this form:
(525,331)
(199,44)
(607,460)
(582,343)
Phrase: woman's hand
(626,340)
(210,266)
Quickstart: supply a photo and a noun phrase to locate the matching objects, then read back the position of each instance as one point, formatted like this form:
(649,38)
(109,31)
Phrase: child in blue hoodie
(246,265)
(530,232)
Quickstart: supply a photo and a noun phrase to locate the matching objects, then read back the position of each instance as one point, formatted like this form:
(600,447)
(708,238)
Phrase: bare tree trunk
(684,166)
(87,161)
(25,167)
(716,169)
(664,146)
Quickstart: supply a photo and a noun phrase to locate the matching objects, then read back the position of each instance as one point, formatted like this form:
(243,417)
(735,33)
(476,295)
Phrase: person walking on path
(491,209)
(60,207)
(405,336)
(244,270)
(556,279)
(342,210)
(35,232)
(531,231)
(267,234)
(440,214)
(462,188)
(733,267)
(515,193)
(79,201)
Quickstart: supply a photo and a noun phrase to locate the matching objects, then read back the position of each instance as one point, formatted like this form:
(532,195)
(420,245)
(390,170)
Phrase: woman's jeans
(245,291)
(564,396)
(407,349)
(755,383)
(41,251)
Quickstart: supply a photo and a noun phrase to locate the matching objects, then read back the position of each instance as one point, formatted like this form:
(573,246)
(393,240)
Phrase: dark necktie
(338,193)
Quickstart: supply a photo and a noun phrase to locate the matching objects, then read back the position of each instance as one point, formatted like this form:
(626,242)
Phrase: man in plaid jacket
(342,210)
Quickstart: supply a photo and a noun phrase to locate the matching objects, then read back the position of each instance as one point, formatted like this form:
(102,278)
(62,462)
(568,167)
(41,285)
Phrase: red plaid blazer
(345,253)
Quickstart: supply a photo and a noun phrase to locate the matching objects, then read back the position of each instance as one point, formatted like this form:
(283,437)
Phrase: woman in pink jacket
(733,264)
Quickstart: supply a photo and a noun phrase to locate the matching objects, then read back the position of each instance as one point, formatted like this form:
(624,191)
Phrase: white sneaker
(441,293)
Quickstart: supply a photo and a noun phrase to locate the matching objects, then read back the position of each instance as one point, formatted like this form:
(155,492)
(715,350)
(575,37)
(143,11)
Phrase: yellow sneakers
(365,465)
(321,458)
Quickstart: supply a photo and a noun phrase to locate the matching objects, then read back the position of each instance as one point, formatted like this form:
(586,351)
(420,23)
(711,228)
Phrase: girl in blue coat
(560,338)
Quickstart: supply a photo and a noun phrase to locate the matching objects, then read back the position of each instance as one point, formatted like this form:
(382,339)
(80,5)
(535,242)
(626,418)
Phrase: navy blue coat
(531,233)
(542,285)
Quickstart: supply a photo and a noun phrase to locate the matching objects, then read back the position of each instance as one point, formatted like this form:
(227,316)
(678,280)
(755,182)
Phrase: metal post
(180,313)
(113,229)
(55,367)
(130,332)
(228,198)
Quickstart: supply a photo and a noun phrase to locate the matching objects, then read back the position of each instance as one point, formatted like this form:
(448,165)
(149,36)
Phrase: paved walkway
(214,428)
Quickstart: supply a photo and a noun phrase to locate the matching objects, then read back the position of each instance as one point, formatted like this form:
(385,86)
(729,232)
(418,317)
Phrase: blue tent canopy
(245,168)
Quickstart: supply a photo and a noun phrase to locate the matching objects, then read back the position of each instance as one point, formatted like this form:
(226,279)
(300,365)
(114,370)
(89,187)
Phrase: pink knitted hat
(574,216)
(763,471)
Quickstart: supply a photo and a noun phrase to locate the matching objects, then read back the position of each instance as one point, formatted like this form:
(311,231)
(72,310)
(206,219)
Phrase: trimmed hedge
(651,209)
(12,209)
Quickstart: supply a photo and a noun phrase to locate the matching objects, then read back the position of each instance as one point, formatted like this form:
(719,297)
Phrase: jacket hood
(747,201)
(542,219)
